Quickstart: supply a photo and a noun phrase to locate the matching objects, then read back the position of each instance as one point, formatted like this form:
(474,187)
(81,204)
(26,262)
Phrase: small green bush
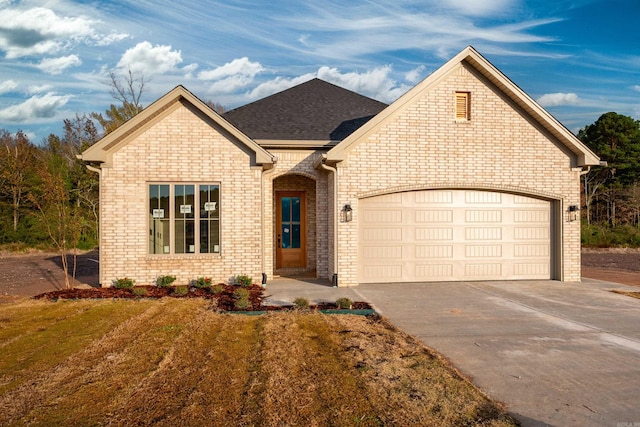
(241,293)
(242,303)
(217,289)
(241,299)
(139,291)
(202,283)
(243,280)
(124,283)
(301,303)
(165,281)
(344,303)
(181,290)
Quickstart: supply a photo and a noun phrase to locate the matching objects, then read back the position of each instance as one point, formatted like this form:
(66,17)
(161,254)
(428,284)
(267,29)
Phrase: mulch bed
(225,299)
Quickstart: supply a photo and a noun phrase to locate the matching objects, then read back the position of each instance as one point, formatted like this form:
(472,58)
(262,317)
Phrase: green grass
(176,362)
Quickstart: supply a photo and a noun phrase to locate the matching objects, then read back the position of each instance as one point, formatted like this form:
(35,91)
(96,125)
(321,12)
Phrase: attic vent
(463,106)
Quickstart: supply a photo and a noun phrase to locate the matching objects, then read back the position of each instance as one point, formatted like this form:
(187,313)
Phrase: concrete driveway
(555,353)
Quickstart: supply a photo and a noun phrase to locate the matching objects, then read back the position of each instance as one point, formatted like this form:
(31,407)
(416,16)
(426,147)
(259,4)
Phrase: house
(464,177)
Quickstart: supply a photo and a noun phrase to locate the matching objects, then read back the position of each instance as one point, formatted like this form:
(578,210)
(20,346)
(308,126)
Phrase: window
(463,106)
(183,220)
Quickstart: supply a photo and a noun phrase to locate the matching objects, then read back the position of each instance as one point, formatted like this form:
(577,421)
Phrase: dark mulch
(225,299)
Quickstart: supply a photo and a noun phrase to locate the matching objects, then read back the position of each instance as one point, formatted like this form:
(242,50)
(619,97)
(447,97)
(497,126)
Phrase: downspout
(264,234)
(323,165)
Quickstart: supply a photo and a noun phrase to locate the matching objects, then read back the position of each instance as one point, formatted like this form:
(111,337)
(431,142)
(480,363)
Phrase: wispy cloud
(58,65)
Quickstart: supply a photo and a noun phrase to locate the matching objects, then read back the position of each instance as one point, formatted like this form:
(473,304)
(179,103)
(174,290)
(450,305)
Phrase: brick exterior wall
(421,147)
(179,147)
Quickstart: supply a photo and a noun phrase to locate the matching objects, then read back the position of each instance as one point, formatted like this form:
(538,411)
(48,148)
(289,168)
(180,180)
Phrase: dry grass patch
(627,293)
(177,362)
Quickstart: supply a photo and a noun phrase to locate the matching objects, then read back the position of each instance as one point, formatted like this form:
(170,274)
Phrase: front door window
(290,212)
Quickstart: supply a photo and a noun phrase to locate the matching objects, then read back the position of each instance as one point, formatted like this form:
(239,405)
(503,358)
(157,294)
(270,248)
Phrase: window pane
(286,209)
(158,219)
(286,236)
(295,209)
(295,236)
(190,236)
(180,236)
(209,214)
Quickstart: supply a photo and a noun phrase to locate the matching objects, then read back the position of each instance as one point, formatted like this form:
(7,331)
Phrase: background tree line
(611,193)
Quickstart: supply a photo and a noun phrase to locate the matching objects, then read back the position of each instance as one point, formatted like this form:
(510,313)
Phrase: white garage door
(453,235)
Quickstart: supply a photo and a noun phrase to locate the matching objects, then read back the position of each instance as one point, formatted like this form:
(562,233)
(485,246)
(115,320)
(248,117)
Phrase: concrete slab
(557,354)
(283,291)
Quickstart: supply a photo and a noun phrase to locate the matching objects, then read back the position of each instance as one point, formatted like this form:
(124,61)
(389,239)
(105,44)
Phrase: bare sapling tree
(128,93)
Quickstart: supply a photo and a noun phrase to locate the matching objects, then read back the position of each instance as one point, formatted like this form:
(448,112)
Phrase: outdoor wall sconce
(573,212)
(347,213)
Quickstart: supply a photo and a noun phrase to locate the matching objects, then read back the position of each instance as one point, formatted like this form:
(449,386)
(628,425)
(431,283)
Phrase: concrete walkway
(556,354)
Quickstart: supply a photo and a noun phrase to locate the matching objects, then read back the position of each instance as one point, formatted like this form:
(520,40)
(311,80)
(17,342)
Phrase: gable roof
(102,150)
(312,111)
(470,56)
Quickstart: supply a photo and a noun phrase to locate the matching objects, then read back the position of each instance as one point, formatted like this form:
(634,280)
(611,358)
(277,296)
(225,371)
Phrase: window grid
(184,218)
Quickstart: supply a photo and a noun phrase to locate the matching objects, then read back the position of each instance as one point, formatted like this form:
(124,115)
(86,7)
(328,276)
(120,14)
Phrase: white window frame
(173,220)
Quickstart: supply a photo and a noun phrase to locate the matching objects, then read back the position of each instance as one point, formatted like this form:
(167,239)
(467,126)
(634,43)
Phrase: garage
(454,235)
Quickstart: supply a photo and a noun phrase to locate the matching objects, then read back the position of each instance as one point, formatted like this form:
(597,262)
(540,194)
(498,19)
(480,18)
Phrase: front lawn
(177,362)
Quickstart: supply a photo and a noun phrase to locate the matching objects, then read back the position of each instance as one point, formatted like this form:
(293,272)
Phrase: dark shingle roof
(312,111)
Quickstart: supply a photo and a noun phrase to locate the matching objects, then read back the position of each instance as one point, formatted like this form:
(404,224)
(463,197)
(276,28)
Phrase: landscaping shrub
(202,283)
(217,289)
(165,281)
(124,283)
(241,299)
(139,291)
(344,303)
(181,290)
(243,280)
(301,303)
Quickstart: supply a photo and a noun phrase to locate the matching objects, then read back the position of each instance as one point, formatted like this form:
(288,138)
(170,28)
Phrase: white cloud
(375,83)
(148,60)
(58,65)
(8,86)
(39,30)
(277,85)
(110,39)
(39,89)
(241,66)
(189,69)
(556,99)
(34,108)
(636,88)
(414,75)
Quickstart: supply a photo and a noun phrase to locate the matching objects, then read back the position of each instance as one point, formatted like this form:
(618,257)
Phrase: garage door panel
(434,251)
(441,235)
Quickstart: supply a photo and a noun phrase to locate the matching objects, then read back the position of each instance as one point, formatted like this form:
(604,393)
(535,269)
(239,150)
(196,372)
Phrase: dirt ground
(35,273)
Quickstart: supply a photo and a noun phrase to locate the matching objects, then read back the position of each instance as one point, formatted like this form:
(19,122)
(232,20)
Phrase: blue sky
(577,58)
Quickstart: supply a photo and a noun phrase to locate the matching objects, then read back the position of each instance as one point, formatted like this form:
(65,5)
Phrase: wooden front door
(290,230)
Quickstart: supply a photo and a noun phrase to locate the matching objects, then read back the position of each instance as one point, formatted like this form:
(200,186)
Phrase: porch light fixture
(573,212)
(347,213)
